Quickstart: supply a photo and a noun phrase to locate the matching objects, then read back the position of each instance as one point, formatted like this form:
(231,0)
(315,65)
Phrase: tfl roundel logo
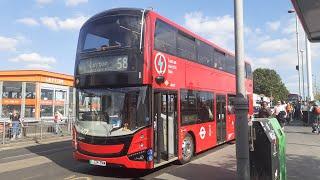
(160,63)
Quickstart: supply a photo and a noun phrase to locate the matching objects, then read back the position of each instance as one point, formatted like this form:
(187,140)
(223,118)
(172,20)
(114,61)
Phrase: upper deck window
(186,47)
(205,53)
(165,38)
(121,31)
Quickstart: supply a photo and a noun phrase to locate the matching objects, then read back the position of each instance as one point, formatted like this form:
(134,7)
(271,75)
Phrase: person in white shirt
(280,113)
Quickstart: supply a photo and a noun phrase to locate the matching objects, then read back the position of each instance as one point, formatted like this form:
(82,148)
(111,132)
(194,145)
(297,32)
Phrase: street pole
(309,70)
(298,56)
(241,103)
(302,72)
(298,48)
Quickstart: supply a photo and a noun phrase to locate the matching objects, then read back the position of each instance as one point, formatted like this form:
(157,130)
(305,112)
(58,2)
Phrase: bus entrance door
(165,127)
(221,118)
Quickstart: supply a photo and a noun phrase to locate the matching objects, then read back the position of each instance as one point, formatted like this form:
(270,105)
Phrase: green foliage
(269,83)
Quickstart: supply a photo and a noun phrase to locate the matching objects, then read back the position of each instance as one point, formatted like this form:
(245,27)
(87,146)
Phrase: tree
(269,83)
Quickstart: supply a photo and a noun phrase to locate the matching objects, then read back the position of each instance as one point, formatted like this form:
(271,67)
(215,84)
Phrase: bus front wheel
(187,149)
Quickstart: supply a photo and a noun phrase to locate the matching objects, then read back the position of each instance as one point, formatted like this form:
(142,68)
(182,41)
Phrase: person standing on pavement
(315,116)
(57,121)
(280,113)
(264,111)
(289,110)
(15,119)
(305,109)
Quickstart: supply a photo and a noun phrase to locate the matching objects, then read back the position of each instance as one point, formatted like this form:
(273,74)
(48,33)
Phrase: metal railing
(34,131)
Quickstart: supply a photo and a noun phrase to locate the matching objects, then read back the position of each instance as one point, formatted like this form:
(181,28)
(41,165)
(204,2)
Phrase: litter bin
(267,157)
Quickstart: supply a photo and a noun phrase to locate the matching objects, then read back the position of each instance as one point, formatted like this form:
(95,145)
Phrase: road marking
(169,176)
(32,177)
(22,164)
(70,177)
(35,153)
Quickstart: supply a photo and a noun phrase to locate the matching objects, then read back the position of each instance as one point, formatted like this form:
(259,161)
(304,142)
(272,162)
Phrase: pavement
(54,161)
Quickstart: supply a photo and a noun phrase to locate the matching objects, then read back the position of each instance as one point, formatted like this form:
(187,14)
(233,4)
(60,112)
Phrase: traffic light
(297,67)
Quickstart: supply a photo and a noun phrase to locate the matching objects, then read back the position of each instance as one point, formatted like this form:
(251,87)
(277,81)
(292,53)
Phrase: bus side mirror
(159,79)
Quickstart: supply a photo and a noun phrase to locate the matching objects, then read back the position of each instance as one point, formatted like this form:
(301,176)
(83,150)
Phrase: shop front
(36,95)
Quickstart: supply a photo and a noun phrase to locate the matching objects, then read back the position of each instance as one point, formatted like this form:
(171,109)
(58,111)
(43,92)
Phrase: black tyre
(187,149)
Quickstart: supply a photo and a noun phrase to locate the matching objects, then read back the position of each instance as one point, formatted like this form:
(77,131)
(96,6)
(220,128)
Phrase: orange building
(36,94)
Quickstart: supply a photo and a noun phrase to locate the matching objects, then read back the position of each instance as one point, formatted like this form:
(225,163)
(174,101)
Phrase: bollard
(40,129)
(4,132)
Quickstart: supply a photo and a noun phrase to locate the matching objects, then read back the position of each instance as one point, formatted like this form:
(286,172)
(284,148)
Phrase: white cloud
(55,23)
(39,66)
(33,58)
(219,29)
(75,2)
(274,25)
(276,45)
(43,2)
(8,44)
(28,21)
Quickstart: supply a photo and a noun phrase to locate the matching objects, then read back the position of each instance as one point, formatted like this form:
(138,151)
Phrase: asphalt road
(54,161)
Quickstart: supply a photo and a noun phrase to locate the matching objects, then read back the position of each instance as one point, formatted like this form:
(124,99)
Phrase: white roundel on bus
(160,63)
(202,132)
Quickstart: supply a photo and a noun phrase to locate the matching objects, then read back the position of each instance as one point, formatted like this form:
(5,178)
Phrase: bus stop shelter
(308,12)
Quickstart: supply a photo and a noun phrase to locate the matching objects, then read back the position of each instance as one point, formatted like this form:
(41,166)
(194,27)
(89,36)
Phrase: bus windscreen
(121,31)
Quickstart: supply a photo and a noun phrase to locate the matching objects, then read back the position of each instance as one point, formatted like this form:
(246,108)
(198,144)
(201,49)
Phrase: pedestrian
(57,121)
(305,109)
(264,111)
(15,120)
(315,112)
(280,113)
(297,111)
(289,110)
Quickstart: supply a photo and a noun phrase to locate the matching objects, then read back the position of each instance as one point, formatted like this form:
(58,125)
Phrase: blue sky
(42,34)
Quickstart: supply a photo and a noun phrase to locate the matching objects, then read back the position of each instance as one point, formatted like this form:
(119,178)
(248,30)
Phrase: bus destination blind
(103,64)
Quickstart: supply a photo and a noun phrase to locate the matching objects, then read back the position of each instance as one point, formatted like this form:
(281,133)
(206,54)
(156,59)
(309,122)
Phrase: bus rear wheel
(187,149)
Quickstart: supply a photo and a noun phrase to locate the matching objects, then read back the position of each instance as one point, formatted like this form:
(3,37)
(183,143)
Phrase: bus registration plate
(98,163)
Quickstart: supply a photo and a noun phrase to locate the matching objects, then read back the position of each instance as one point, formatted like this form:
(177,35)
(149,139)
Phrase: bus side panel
(148,46)
(230,126)
(207,78)
(204,135)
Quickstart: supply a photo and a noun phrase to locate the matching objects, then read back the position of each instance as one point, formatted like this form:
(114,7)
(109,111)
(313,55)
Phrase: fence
(36,131)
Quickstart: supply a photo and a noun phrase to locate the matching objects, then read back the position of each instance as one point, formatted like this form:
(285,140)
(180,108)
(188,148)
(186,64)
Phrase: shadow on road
(201,171)
(303,167)
(61,154)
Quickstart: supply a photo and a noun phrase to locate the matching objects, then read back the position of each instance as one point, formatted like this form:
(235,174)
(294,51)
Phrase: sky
(42,34)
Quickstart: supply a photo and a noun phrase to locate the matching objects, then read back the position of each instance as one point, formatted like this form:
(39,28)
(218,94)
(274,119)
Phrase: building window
(60,95)
(46,94)
(8,109)
(30,90)
(46,111)
(29,111)
(60,109)
(12,90)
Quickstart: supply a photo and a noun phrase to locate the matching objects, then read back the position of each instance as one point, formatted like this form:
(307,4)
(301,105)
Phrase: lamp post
(241,103)
(298,54)
(309,70)
(303,95)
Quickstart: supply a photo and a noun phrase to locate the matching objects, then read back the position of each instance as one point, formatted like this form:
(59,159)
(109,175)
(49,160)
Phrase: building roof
(309,12)
(37,76)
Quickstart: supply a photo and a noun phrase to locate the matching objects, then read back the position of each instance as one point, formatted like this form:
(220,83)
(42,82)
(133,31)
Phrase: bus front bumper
(122,161)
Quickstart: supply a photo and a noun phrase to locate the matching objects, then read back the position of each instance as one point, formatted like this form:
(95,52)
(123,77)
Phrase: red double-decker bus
(150,92)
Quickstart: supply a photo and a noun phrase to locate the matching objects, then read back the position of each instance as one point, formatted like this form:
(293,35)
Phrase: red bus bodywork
(180,74)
